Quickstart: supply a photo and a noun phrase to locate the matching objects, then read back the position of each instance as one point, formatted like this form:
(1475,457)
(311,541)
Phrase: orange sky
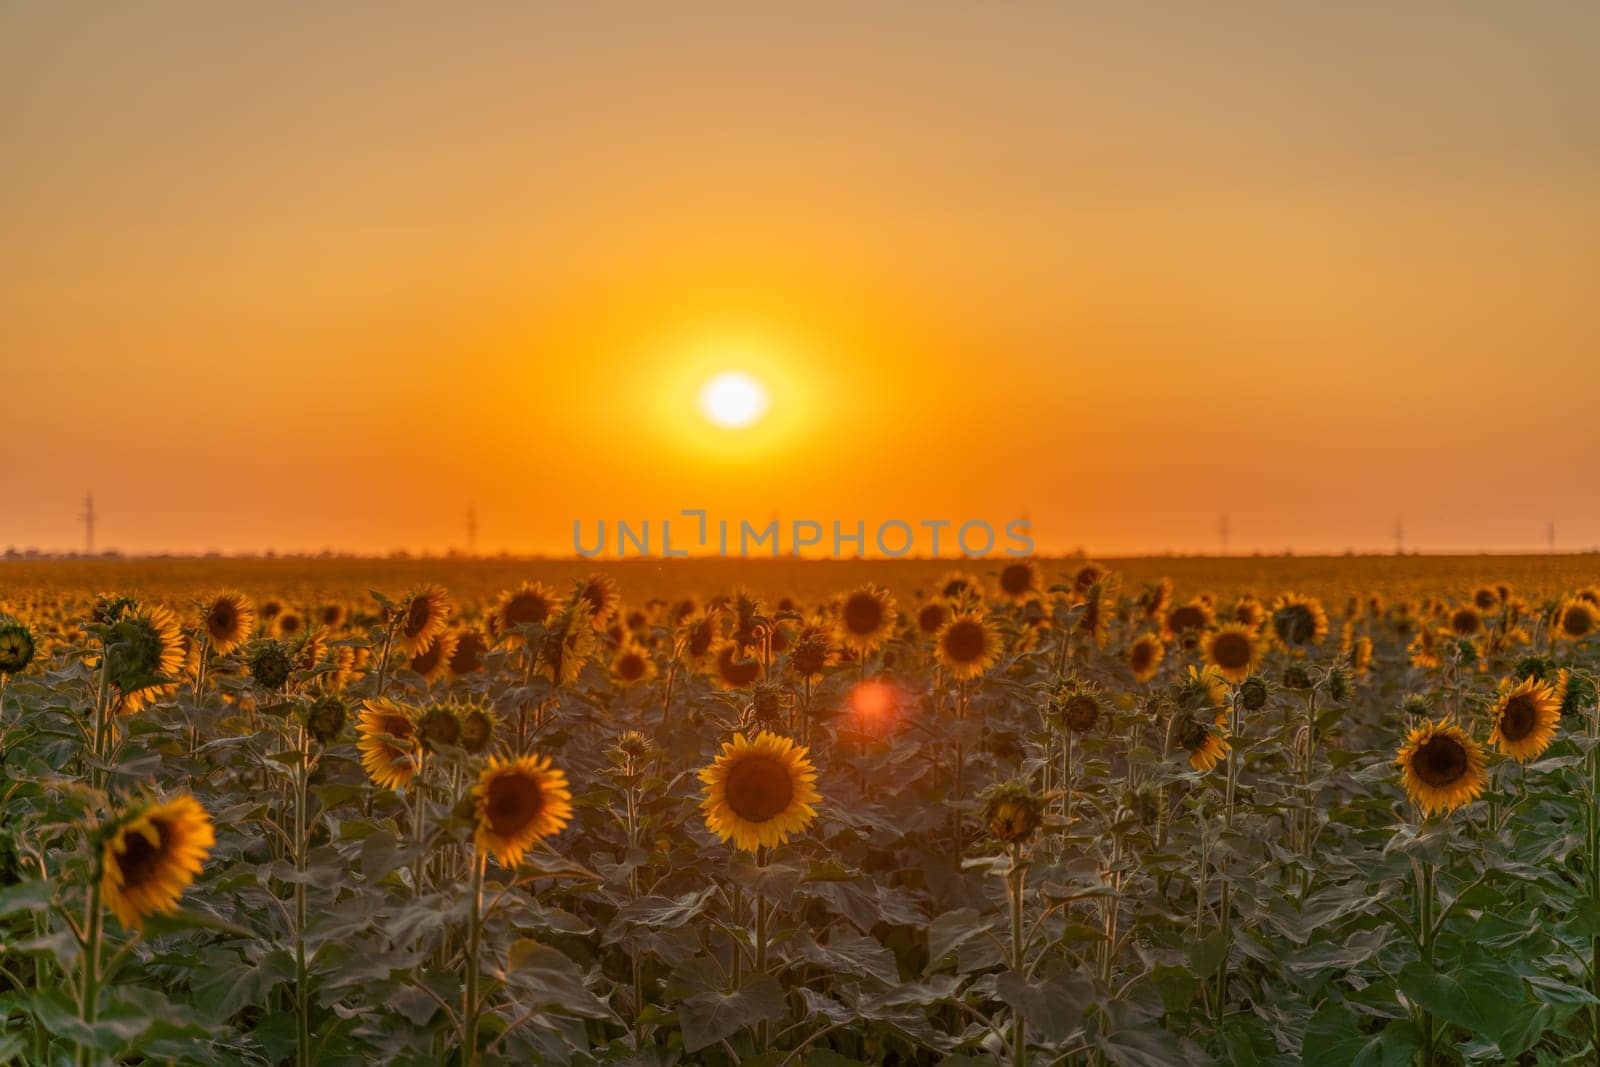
(322,280)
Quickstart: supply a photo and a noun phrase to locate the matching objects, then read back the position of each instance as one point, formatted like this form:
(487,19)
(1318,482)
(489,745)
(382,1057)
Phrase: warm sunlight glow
(733,399)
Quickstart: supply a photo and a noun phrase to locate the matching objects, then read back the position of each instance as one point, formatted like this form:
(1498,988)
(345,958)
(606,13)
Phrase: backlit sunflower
(600,598)
(968,645)
(386,736)
(1233,650)
(759,792)
(528,604)
(1185,618)
(812,650)
(1576,619)
(1250,612)
(467,656)
(229,620)
(932,616)
(1094,618)
(422,618)
(1525,717)
(434,660)
(1424,649)
(1020,581)
(518,801)
(1466,621)
(866,618)
(1441,766)
(288,624)
(568,640)
(16,647)
(632,665)
(1299,620)
(736,668)
(1206,746)
(700,637)
(146,658)
(1087,575)
(959,586)
(1145,656)
(151,855)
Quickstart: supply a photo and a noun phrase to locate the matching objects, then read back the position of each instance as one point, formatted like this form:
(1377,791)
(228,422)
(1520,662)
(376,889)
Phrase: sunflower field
(1024,812)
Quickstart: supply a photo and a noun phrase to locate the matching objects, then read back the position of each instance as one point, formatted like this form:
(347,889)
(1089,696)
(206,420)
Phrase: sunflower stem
(1016,880)
(301,993)
(469,992)
(417,828)
(89,979)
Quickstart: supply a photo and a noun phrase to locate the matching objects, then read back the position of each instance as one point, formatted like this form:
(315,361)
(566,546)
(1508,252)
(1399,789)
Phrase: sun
(733,399)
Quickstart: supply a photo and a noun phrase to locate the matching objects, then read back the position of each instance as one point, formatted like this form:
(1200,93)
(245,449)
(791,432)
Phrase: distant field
(1330,577)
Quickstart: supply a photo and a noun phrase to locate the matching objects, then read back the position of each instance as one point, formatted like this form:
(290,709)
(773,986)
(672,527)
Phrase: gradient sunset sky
(322,277)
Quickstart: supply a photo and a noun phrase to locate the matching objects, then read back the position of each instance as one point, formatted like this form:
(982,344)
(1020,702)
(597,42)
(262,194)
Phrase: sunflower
(148,656)
(477,727)
(812,651)
(1441,766)
(1299,620)
(1020,581)
(387,740)
(1145,656)
(1486,598)
(229,620)
(1087,575)
(968,645)
(1424,649)
(632,665)
(1094,621)
(1206,746)
(518,801)
(528,604)
(288,624)
(566,645)
(959,585)
(1249,611)
(1154,598)
(866,618)
(1525,717)
(700,637)
(467,656)
(1466,621)
(151,855)
(1233,650)
(1012,812)
(932,616)
(433,660)
(759,792)
(332,615)
(16,647)
(1194,615)
(600,598)
(422,618)
(1576,619)
(735,668)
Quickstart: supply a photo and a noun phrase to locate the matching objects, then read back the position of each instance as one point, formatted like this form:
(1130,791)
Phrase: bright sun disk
(733,399)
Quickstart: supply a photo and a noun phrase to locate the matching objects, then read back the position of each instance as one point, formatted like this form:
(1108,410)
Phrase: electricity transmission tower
(87,518)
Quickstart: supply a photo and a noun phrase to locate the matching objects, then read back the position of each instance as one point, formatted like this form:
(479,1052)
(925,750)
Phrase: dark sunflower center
(931,618)
(758,788)
(1466,622)
(514,801)
(700,639)
(630,668)
(1186,618)
(964,642)
(1192,735)
(862,613)
(140,861)
(1518,718)
(1576,622)
(1016,579)
(468,654)
(417,616)
(1231,651)
(221,619)
(1295,624)
(289,624)
(737,671)
(1082,713)
(525,608)
(428,659)
(1141,656)
(1440,762)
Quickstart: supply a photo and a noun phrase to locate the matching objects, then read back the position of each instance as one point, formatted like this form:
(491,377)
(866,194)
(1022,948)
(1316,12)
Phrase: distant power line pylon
(472,529)
(87,518)
(1223,530)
